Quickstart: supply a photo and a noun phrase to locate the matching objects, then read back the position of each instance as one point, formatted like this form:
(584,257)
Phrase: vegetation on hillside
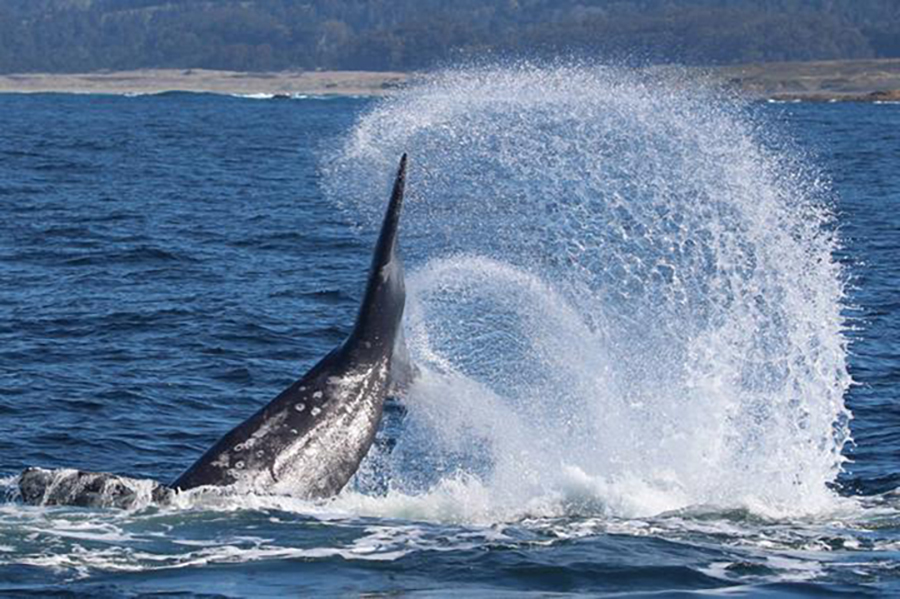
(258,35)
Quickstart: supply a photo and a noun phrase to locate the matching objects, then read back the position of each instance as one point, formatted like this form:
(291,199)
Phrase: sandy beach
(841,80)
(845,80)
(147,81)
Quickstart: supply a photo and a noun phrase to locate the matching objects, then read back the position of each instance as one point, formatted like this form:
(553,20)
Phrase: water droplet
(316,411)
(300,407)
(240,464)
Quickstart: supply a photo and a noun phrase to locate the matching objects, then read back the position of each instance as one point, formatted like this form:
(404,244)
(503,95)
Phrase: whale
(309,440)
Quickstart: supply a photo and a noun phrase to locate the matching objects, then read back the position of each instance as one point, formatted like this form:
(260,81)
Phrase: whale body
(310,439)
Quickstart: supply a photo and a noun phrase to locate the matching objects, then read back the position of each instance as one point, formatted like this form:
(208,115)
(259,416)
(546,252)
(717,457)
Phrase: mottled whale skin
(65,486)
(309,441)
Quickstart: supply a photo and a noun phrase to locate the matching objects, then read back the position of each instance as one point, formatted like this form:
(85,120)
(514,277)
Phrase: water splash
(625,298)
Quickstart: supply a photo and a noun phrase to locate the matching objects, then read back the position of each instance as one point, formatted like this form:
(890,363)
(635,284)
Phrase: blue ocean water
(641,312)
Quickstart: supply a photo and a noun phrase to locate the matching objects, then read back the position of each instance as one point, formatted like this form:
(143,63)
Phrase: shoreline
(155,81)
(864,80)
(819,81)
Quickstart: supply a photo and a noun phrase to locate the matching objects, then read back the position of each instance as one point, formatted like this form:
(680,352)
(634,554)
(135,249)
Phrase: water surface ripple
(169,263)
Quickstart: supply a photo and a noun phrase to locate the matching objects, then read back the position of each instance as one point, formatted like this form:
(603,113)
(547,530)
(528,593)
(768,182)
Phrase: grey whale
(310,439)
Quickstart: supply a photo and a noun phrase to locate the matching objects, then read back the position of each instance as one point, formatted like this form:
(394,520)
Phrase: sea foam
(623,296)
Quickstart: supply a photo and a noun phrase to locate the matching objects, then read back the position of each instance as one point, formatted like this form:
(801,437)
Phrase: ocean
(657,330)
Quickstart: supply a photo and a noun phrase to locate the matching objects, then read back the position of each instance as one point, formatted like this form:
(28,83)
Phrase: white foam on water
(623,298)
(255,96)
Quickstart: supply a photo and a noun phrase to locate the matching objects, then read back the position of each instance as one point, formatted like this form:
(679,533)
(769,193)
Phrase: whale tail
(310,439)
(385,295)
